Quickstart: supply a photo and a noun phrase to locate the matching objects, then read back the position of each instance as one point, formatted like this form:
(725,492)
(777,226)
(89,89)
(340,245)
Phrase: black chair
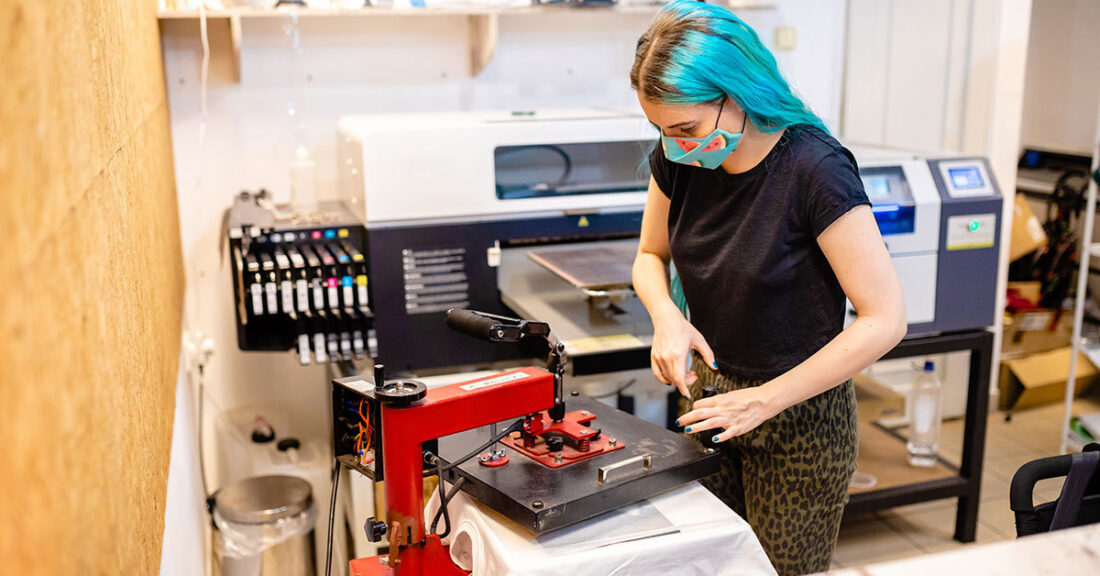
(1079,503)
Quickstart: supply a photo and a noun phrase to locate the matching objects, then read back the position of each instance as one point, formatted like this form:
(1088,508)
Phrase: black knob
(375,529)
(555,443)
(288,444)
(400,392)
(557,412)
(262,432)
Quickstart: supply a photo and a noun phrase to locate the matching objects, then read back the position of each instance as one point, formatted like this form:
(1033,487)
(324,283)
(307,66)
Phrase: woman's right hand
(673,340)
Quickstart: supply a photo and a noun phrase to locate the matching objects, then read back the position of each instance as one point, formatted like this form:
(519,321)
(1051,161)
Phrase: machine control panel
(357,425)
(966,179)
(971,231)
(300,283)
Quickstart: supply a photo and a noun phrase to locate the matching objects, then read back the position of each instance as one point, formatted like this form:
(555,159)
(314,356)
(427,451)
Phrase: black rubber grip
(471,323)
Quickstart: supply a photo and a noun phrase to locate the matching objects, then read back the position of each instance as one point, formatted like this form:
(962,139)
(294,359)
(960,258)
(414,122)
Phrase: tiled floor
(928,527)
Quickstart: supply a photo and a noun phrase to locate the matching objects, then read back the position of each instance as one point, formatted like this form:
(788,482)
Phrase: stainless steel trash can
(265,527)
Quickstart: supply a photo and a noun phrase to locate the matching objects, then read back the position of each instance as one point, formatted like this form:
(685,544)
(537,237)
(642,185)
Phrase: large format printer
(455,202)
(449,200)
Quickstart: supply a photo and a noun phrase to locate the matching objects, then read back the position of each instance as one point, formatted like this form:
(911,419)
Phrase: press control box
(300,282)
(357,426)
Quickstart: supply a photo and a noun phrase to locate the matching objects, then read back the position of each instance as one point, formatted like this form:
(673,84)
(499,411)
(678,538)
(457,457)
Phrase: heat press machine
(562,460)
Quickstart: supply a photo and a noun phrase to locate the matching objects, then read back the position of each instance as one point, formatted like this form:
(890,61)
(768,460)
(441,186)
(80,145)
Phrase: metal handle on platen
(604,472)
(482,326)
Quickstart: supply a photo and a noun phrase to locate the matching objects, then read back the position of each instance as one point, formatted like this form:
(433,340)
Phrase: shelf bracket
(482,30)
(235,46)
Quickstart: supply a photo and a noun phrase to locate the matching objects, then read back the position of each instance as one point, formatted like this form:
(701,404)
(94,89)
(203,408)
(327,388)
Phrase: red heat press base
(574,426)
(435,559)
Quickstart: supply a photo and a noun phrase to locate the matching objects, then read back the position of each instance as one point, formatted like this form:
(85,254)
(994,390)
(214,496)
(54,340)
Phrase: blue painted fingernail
(714,365)
(677,422)
(688,429)
(714,439)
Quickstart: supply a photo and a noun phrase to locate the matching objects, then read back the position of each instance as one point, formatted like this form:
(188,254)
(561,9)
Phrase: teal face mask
(706,152)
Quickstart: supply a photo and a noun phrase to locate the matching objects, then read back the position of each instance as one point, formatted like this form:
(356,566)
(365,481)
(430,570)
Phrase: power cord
(440,468)
(332,515)
(431,458)
(444,497)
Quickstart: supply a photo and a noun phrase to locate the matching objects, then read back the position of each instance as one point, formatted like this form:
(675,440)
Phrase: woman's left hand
(735,412)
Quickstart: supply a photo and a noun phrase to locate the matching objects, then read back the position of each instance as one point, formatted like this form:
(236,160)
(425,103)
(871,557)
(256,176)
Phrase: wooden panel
(91,288)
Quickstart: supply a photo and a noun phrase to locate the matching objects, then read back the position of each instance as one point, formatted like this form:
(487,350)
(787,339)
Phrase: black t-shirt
(745,246)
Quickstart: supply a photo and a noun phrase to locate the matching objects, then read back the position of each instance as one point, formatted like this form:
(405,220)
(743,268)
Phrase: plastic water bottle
(303,182)
(925,418)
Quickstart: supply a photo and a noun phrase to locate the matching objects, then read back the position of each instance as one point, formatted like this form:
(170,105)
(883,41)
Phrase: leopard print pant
(789,477)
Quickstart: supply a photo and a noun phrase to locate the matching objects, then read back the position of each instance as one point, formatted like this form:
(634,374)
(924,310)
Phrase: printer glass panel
(551,170)
(891,199)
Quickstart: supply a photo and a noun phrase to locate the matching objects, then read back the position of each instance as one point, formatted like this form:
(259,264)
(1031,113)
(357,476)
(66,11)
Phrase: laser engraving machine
(941,220)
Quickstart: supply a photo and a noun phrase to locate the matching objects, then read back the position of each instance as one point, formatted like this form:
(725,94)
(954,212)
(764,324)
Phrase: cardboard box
(1030,331)
(1027,232)
(1040,379)
(875,400)
(1036,330)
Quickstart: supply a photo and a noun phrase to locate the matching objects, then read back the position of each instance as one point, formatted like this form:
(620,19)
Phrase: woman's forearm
(650,276)
(858,346)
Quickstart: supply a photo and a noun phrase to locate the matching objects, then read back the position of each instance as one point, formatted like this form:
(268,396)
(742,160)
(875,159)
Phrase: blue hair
(695,53)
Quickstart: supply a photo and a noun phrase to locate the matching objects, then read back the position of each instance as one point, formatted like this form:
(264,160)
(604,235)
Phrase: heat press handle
(481,326)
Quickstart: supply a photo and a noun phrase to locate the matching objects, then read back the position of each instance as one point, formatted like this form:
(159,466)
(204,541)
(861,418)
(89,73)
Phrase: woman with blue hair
(764,215)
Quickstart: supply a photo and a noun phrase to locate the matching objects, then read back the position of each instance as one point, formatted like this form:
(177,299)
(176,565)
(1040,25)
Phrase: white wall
(1063,76)
(815,68)
(382,64)
(184,520)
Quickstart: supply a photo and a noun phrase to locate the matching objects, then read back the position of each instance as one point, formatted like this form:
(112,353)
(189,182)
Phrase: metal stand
(967,485)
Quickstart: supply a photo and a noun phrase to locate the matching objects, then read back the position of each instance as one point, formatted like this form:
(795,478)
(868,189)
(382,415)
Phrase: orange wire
(370,429)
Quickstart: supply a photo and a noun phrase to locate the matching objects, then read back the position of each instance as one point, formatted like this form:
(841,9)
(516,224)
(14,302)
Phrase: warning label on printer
(435,280)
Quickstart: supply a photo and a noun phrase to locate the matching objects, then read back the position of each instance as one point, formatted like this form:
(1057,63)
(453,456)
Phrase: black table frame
(967,485)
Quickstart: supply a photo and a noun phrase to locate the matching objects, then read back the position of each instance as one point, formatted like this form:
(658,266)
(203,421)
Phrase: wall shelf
(469,10)
(482,21)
